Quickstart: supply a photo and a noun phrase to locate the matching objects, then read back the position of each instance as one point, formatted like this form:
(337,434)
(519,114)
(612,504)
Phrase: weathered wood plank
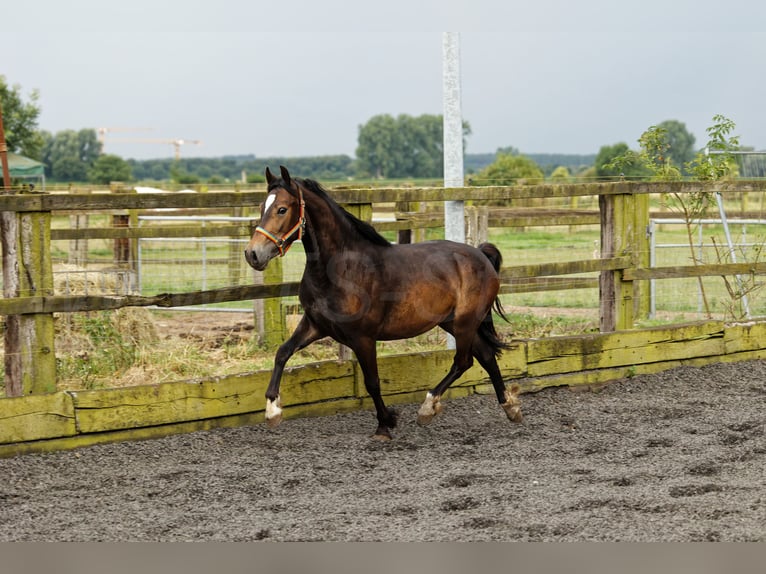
(216,199)
(131,407)
(420,372)
(152,232)
(316,382)
(113,201)
(563,268)
(522,276)
(623,348)
(325,408)
(695,271)
(535,284)
(598,377)
(36,417)
(540,349)
(169,403)
(745,337)
(74,303)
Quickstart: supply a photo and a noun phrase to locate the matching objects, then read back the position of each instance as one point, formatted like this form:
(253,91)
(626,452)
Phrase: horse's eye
(282,210)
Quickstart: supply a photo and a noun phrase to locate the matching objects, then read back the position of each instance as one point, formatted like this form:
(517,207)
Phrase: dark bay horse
(358,289)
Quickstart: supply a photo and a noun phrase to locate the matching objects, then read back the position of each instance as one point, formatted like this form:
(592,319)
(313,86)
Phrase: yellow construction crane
(177,143)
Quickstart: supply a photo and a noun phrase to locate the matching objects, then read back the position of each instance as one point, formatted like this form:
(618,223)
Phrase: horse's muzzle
(253,261)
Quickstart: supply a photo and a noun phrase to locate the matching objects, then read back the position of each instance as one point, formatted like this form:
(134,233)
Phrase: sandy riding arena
(678,456)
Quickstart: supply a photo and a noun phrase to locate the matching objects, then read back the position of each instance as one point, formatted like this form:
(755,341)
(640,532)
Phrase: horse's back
(482,261)
(447,268)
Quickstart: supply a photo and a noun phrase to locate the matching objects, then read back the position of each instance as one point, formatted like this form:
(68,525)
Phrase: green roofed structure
(21,167)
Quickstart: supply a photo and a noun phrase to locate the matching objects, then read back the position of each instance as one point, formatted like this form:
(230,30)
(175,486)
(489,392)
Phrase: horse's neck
(328,233)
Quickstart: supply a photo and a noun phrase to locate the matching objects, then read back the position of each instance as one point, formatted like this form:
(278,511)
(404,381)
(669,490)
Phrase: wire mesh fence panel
(723,297)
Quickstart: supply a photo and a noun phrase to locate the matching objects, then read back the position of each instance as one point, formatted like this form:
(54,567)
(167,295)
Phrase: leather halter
(299,228)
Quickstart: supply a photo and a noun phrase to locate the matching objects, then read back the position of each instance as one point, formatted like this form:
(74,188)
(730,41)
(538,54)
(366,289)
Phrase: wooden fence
(29,302)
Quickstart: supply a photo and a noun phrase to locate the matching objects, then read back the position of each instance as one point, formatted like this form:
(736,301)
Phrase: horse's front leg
(367,356)
(305,334)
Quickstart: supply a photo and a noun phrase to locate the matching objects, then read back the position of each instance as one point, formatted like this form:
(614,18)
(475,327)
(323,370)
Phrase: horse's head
(283,219)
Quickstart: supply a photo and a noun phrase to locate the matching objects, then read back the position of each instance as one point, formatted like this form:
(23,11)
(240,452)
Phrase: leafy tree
(378,147)
(656,159)
(20,120)
(561,175)
(656,156)
(256,178)
(721,162)
(404,146)
(664,148)
(69,154)
(508,169)
(617,162)
(509,150)
(108,168)
(331,167)
(180,175)
(680,142)
(69,169)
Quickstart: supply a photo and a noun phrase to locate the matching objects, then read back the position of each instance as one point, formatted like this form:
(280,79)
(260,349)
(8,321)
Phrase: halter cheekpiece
(298,228)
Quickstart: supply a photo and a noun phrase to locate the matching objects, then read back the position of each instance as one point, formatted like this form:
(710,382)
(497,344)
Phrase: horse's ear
(269,176)
(285,175)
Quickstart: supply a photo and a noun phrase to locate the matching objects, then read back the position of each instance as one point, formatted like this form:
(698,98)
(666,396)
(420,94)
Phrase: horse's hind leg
(460,364)
(507,397)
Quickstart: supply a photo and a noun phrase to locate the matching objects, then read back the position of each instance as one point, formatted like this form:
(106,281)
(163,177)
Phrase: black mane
(362,227)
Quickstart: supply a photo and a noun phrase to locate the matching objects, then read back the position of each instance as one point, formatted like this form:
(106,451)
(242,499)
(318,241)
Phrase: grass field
(178,266)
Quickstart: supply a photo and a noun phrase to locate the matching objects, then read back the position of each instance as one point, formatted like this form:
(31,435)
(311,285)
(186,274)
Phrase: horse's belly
(397,332)
(402,322)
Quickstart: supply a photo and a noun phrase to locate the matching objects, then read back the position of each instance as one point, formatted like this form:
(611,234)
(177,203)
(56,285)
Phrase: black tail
(496,258)
(487,329)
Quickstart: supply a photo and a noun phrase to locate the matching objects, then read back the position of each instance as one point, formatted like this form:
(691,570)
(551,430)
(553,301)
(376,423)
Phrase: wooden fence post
(640,255)
(125,249)
(78,248)
(403,236)
(477,224)
(624,221)
(269,315)
(236,260)
(607,282)
(30,359)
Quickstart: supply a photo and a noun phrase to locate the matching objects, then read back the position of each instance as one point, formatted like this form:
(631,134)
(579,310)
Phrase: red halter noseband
(299,227)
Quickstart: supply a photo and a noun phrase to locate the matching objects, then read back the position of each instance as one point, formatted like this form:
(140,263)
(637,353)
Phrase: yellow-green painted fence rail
(70,419)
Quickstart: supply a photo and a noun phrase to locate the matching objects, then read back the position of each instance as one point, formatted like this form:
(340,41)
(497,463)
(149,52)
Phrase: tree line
(388,147)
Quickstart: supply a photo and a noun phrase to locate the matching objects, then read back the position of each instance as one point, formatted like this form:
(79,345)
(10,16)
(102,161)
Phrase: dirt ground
(677,456)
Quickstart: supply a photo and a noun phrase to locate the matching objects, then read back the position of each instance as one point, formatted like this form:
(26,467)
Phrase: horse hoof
(274,421)
(425,420)
(512,404)
(429,409)
(382,434)
(513,413)
(273,412)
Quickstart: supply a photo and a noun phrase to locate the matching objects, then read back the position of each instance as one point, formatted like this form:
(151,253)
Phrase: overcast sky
(297,78)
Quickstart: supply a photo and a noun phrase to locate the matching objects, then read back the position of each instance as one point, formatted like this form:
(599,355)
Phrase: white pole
(454,218)
(454,215)
(732,253)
